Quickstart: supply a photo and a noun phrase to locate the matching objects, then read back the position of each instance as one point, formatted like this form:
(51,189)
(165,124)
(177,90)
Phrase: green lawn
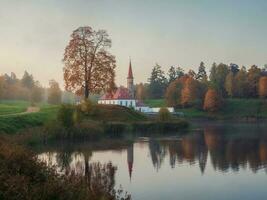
(12,107)
(155,102)
(232,108)
(14,123)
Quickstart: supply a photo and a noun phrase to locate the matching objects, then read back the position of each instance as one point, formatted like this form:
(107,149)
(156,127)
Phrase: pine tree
(157,82)
(202,74)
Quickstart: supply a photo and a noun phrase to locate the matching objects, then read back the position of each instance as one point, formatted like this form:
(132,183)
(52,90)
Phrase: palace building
(125,96)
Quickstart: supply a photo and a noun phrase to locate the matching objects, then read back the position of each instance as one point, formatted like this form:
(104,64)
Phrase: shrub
(86,106)
(164,114)
(65,115)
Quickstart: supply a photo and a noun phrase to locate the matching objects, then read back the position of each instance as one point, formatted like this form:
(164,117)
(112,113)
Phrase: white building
(125,97)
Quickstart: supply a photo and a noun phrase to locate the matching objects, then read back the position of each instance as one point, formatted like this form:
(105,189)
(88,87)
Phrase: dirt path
(30,109)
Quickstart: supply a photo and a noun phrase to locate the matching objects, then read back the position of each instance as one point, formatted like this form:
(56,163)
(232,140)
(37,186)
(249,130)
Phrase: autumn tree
(212,102)
(263,87)
(189,92)
(141,91)
(54,93)
(192,73)
(89,67)
(173,92)
(253,76)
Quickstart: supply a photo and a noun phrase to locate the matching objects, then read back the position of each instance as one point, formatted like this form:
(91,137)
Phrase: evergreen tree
(202,74)
(229,84)
(241,83)
(234,68)
(27,80)
(172,74)
(157,82)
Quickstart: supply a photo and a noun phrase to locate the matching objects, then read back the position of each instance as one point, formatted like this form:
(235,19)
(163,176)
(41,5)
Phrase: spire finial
(130,73)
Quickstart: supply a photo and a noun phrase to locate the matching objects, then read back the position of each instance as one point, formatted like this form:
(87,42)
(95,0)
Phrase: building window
(126,103)
(131,104)
(120,102)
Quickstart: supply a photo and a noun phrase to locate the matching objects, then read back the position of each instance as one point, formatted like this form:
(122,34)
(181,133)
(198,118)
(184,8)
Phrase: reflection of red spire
(130,73)
(130,169)
(130,158)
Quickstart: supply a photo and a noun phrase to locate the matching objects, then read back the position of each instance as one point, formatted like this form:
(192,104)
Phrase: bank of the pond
(24,177)
(90,130)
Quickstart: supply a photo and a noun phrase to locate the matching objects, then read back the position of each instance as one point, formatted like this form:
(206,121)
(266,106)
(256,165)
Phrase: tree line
(28,89)
(181,89)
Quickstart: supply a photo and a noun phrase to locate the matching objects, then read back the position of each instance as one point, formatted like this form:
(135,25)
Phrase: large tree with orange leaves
(213,101)
(89,67)
(263,87)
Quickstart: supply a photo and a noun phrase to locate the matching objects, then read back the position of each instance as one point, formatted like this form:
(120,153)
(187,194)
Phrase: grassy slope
(13,123)
(117,113)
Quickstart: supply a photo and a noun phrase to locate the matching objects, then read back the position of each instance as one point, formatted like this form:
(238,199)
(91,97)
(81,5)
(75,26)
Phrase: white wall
(123,102)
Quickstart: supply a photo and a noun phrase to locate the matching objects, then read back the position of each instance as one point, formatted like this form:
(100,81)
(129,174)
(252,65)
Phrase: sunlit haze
(35,33)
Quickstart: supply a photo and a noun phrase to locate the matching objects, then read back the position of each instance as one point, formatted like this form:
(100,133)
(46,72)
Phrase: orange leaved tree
(89,67)
(213,101)
(263,87)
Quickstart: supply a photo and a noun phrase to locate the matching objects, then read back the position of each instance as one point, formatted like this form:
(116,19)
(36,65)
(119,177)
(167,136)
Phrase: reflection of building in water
(130,159)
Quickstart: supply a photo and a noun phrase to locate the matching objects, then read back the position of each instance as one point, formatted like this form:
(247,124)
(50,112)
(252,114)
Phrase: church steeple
(130,79)
(130,73)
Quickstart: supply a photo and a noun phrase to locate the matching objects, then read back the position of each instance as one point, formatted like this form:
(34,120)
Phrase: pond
(216,160)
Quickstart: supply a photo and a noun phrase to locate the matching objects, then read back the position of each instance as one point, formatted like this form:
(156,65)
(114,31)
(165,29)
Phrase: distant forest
(29,89)
(186,89)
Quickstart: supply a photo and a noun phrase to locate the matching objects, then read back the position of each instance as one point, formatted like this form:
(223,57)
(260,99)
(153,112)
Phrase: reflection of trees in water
(190,148)
(157,152)
(64,159)
(227,151)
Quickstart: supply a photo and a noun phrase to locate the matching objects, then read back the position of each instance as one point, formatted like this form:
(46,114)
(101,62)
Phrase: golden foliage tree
(212,102)
(189,92)
(173,91)
(263,87)
(141,91)
(89,67)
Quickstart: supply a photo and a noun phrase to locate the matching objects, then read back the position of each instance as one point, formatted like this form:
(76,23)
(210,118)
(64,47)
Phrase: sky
(34,34)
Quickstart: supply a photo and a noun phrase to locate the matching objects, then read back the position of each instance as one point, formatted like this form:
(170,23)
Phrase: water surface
(215,161)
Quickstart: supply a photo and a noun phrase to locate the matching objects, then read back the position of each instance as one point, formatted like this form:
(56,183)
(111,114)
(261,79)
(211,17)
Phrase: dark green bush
(66,115)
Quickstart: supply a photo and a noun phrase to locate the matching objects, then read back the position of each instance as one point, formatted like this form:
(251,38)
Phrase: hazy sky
(34,33)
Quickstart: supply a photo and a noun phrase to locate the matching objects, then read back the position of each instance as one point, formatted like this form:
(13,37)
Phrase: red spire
(130,73)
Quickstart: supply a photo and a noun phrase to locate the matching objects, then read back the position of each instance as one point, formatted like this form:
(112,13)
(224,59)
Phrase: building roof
(120,93)
(130,72)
